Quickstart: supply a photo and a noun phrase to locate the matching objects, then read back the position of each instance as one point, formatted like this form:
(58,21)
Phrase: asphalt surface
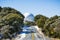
(34,35)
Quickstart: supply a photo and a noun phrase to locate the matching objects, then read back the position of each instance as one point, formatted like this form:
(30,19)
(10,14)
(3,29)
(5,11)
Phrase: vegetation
(40,20)
(28,23)
(50,26)
(11,21)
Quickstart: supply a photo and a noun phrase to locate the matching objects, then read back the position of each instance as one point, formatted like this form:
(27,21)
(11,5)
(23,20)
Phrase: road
(33,35)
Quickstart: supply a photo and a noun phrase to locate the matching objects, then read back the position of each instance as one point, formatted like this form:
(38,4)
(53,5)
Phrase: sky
(45,7)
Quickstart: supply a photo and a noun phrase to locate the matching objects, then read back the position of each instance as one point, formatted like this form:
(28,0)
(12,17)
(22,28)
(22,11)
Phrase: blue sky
(45,7)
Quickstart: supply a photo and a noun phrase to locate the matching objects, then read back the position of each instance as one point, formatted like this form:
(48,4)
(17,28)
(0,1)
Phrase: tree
(11,21)
(38,17)
(50,25)
(40,20)
(0,9)
(29,23)
(57,27)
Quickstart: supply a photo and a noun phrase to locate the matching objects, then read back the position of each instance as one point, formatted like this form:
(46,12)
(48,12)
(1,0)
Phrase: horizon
(47,8)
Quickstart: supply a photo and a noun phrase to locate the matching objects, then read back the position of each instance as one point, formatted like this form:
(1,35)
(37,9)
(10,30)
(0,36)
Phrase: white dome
(26,14)
(29,17)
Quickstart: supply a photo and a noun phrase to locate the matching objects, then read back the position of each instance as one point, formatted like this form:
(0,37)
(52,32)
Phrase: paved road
(34,35)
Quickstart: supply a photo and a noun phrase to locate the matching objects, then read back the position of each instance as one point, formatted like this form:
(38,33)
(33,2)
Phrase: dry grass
(54,39)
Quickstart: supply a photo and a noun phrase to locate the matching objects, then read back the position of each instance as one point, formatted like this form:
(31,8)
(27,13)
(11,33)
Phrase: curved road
(35,35)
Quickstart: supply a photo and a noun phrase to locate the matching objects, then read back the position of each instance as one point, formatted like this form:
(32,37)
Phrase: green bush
(11,21)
